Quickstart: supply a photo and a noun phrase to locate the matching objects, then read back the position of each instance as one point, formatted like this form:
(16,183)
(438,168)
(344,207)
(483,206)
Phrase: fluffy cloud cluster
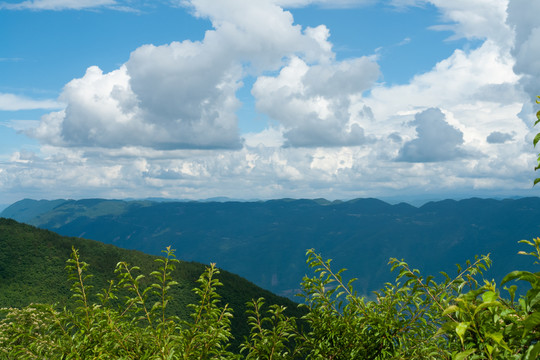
(481,19)
(522,17)
(436,141)
(313,103)
(183,95)
(104,110)
(168,116)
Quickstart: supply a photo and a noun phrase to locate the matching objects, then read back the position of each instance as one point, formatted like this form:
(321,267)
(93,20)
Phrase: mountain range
(266,241)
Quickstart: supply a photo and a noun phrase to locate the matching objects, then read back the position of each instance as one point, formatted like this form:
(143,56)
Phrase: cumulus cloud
(481,19)
(242,34)
(185,88)
(311,134)
(12,102)
(313,102)
(476,89)
(436,141)
(269,137)
(503,93)
(156,113)
(183,94)
(104,111)
(464,77)
(522,17)
(498,137)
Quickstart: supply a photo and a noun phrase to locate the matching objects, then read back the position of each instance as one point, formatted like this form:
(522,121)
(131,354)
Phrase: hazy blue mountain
(266,241)
(27,209)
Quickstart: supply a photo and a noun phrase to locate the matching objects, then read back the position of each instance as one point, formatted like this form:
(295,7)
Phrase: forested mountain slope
(266,241)
(32,270)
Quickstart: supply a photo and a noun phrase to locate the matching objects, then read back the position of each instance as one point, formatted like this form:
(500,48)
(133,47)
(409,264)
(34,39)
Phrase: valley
(266,241)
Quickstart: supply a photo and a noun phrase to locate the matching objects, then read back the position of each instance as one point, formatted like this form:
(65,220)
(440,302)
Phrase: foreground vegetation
(416,317)
(32,270)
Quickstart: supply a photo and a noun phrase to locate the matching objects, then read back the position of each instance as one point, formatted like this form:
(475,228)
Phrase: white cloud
(497,137)
(104,111)
(242,32)
(12,102)
(436,139)
(477,90)
(21,125)
(523,17)
(182,95)
(186,90)
(269,137)
(56,4)
(461,84)
(480,19)
(139,130)
(313,102)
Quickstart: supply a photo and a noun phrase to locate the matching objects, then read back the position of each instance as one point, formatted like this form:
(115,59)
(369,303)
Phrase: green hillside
(32,270)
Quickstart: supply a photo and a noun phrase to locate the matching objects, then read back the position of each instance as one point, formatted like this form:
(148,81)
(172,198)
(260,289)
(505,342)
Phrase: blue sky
(340,99)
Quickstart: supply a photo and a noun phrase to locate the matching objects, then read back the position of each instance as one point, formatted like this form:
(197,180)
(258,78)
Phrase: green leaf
(533,352)
(520,275)
(487,305)
(450,309)
(532,321)
(497,337)
(512,291)
(533,295)
(463,355)
(489,296)
(536,139)
(461,328)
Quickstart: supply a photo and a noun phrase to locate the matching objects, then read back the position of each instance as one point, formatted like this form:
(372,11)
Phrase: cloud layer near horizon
(165,122)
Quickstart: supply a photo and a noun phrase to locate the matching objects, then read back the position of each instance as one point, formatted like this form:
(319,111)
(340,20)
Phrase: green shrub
(415,317)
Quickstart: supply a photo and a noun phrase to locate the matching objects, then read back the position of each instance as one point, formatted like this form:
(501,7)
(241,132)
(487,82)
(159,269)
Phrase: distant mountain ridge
(265,241)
